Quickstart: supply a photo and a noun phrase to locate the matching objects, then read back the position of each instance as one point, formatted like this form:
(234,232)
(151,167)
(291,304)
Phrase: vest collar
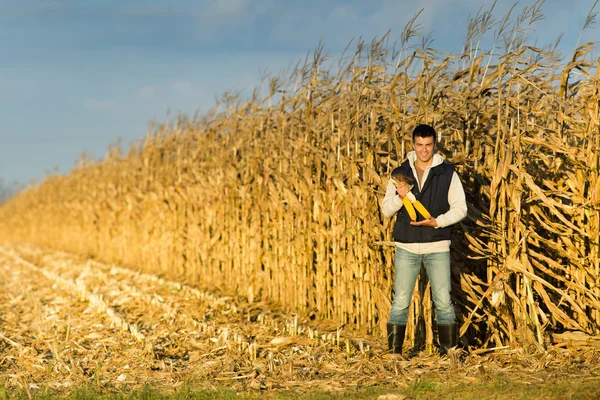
(431,170)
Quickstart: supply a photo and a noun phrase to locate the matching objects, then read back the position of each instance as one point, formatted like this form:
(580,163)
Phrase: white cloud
(181,86)
(344,13)
(98,105)
(147,91)
(178,87)
(230,7)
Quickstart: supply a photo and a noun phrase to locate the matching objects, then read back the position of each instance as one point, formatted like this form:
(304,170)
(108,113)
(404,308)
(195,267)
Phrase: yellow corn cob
(409,207)
(421,209)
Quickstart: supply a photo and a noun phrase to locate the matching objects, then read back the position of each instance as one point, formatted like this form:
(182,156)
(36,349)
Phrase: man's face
(424,147)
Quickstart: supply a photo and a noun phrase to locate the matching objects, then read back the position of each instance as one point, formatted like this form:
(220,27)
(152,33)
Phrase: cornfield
(277,197)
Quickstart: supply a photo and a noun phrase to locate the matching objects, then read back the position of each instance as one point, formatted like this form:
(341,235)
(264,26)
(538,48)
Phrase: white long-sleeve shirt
(392,203)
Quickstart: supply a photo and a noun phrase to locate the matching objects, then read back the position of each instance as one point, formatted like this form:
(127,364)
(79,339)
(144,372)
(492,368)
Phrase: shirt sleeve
(458,204)
(392,201)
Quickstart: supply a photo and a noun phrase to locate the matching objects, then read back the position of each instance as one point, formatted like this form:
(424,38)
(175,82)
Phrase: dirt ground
(68,322)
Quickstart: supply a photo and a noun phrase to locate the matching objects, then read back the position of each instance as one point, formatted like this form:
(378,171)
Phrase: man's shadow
(465,263)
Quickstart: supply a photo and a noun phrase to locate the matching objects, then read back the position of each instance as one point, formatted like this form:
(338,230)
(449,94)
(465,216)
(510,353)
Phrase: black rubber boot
(448,337)
(395,337)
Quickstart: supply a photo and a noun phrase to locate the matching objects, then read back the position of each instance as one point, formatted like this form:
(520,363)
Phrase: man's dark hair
(424,131)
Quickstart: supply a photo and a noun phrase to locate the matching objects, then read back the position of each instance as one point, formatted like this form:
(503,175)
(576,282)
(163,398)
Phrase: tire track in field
(50,339)
(112,354)
(185,309)
(194,338)
(153,285)
(178,310)
(78,290)
(149,352)
(169,332)
(148,302)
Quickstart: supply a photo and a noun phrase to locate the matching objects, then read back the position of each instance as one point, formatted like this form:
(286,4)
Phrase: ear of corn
(409,207)
(421,209)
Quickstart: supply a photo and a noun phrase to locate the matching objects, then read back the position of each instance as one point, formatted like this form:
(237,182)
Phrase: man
(424,241)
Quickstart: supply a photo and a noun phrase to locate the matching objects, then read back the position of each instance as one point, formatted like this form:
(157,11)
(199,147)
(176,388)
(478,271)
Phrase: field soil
(68,322)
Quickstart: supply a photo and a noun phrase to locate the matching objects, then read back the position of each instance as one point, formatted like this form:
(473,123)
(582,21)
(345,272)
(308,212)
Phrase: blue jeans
(408,266)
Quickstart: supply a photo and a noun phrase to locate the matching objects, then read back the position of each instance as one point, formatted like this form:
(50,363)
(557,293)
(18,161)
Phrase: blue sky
(78,75)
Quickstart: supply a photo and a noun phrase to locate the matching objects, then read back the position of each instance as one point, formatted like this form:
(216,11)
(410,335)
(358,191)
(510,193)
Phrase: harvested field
(67,322)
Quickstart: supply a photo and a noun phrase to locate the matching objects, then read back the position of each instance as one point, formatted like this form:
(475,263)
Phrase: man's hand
(426,222)
(402,189)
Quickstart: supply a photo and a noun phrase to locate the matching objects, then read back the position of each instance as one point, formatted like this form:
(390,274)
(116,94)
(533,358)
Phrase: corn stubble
(86,324)
(277,197)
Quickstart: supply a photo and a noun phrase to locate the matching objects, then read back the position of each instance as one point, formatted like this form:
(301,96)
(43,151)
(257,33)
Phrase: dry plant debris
(67,321)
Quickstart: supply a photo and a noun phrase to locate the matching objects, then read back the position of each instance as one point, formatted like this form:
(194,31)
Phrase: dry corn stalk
(279,197)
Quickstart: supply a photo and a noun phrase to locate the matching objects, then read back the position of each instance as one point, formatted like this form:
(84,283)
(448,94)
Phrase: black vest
(434,197)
